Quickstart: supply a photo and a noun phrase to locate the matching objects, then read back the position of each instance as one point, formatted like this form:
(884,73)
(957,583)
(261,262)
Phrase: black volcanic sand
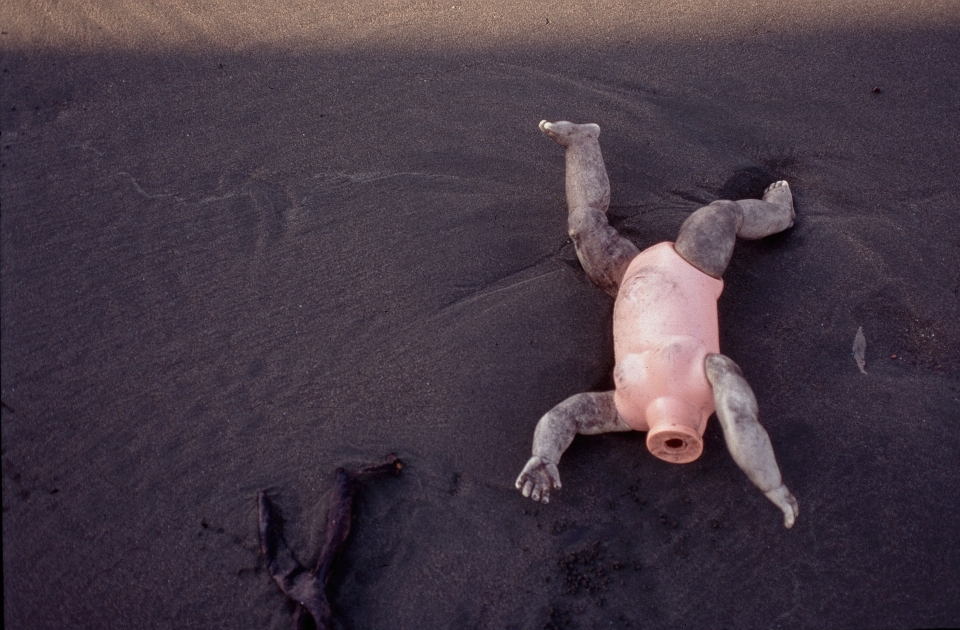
(228,268)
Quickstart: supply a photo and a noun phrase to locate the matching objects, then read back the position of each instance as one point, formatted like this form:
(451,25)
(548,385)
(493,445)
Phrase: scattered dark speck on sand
(559,619)
(582,571)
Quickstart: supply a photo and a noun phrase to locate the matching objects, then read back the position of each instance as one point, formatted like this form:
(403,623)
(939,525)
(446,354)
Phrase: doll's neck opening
(675,433)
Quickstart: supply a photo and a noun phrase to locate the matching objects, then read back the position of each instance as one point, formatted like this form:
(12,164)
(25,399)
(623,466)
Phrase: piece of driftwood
(308,587)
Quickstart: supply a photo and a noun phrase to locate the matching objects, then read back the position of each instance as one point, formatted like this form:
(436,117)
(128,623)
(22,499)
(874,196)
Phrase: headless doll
(669,374)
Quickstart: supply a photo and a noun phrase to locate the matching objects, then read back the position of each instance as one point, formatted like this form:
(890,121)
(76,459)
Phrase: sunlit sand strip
(228,25)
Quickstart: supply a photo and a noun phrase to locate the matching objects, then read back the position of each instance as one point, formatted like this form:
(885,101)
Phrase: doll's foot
(779,193)
(567,133)
(782,498)
(537,479)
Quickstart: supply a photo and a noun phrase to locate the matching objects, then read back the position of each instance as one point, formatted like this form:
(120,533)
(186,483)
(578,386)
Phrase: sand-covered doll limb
(747,441)
(708,235)
(605,255)
(587,414)
(706,241)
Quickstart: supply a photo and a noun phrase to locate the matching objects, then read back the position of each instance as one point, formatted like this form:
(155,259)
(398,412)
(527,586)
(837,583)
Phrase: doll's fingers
(527,487)
(787,503)
(790,514)
(545,497)
(554,475)
(526,473)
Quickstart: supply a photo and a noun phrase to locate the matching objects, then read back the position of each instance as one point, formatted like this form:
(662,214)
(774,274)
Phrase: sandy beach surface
(244,243)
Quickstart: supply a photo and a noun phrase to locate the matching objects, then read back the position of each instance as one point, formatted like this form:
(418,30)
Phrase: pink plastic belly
(664,325)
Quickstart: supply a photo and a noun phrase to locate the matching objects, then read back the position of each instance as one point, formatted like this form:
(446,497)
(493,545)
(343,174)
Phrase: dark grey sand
(243,246)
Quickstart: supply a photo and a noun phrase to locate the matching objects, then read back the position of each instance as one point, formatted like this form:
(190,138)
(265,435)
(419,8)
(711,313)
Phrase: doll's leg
(746,439)
(588,414)
(603,253)
(773,214)
(707,237)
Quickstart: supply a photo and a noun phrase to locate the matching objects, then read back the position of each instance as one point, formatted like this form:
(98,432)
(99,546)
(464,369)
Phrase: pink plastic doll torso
(664,326)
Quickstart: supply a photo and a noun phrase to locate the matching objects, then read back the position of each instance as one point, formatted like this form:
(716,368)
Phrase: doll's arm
(589,413)
(747,441)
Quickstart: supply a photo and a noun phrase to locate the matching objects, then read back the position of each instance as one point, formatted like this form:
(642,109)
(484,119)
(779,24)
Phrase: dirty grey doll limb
(747,441)
(603,253)
(707,237)
(588,414)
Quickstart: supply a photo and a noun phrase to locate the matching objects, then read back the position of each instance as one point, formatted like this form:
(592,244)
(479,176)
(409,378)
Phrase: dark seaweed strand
(308,588)
(293,579)
(341,510)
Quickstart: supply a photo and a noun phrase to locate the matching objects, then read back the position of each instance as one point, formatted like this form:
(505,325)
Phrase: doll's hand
(782,498)
(537,478)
